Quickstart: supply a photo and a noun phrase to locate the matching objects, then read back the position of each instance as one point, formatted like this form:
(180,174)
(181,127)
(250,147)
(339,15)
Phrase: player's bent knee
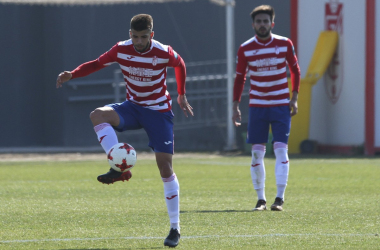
(96,115)
(104,115)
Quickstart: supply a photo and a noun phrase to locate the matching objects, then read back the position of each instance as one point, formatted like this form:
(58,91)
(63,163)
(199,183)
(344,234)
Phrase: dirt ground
(90,156)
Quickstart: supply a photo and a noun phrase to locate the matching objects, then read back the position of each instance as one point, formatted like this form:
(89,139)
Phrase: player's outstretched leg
(112,176)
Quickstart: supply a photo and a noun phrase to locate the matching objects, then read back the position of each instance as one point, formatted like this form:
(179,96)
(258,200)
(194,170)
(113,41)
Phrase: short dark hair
(263,9)
(142,22)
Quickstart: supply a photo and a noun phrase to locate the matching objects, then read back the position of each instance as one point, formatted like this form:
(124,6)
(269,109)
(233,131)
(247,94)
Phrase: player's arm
(177,62)
(88,67)
(295,77)
(81,71)
(241,68)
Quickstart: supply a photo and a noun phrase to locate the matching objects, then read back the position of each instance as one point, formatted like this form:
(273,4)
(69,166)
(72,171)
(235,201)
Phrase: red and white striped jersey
(144,72)
(266,61)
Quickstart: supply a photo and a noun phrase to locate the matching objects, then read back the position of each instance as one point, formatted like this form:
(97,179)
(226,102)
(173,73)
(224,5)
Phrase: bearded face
(262,25)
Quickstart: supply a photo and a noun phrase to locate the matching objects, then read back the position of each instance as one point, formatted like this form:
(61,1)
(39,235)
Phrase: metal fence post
(231,134)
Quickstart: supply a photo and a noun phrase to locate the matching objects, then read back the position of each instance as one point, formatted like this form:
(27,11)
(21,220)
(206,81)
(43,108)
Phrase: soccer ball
(122,157)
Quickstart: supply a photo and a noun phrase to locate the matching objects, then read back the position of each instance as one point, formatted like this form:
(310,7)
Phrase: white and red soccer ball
(122,157)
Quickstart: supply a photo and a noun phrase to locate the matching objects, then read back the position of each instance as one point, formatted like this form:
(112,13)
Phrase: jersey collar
(264,43)
(146,51)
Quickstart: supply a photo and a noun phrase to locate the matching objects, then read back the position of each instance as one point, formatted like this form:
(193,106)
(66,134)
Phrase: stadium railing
(206,91)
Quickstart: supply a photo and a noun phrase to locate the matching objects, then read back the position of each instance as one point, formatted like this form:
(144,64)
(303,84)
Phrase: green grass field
(330,203)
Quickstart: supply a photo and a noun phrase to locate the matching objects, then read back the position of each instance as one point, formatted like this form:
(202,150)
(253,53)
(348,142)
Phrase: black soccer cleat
(261,205)
(173,238)
(277,205)
(112,176)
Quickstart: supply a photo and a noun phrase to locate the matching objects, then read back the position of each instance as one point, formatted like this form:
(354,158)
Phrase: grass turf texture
(329,204)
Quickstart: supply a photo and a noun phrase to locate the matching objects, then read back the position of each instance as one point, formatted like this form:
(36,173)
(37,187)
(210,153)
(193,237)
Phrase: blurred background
(38,41)
(339,105)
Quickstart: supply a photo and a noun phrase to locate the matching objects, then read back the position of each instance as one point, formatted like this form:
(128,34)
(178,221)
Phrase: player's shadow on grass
(216,211)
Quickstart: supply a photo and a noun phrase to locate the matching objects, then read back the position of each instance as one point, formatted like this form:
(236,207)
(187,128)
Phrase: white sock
(281,191)
(171,191)
(261,194)
(281,168)
(258,170)
(175,226)
(106,136)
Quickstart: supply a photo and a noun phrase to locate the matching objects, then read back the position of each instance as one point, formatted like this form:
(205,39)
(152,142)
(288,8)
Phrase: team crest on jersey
(277,49)
(154,60)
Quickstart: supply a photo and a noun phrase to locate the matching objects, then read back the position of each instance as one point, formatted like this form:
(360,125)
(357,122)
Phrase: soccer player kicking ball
(143,62)
(266,56)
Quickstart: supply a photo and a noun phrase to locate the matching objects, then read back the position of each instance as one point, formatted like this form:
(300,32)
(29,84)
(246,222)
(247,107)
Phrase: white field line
(186,237)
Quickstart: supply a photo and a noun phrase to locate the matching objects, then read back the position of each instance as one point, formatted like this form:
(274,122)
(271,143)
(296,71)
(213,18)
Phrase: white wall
(377,76)
(308,33)
(340,123)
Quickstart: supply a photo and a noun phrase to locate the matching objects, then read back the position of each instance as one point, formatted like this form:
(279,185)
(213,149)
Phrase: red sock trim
(258,147)
(169,179)
(277,145)
(101,126)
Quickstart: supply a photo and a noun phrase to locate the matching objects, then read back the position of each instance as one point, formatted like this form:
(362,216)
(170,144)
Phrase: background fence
(206,91)
(39,42)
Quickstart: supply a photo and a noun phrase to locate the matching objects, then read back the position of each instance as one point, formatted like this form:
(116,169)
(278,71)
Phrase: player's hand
(236,114)
(63,77)
(293,104)
(293,108)
(185,106)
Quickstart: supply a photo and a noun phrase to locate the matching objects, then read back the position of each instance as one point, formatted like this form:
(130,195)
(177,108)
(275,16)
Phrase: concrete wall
(339,120)
(21,76)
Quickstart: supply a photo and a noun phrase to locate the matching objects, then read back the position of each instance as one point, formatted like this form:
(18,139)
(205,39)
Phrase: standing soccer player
(266,56)
(143,62)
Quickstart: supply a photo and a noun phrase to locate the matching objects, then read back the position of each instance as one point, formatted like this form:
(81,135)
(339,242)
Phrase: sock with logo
(106,136)
(282,167)
(171,191)
(258,170)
